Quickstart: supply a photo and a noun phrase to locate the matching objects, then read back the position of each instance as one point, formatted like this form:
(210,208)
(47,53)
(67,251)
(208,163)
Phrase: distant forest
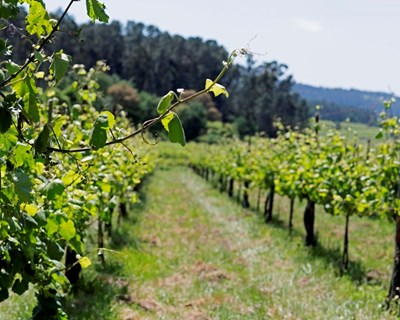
(145,63)
(339,104)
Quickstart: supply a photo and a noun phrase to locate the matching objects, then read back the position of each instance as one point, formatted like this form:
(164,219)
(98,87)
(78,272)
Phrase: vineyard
(72,177)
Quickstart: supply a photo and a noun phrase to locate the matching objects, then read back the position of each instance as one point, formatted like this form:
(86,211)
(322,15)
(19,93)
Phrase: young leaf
(37,21)
(166,120)
(31,209)
(85,262)
(217,89)
(96,11)
(165,102)
(173,125)
(67,230)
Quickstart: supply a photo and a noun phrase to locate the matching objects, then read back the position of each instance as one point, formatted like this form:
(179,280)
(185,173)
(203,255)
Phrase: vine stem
(149,123)
(32,58)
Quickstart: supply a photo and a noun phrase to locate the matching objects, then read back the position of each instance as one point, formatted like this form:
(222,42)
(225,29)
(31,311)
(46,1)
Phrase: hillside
(351,98)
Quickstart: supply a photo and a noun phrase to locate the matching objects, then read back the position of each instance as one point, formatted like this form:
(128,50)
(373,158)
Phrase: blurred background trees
(145,63)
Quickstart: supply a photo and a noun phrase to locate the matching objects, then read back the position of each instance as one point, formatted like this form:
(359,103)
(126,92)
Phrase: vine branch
(32,58)
(149,123)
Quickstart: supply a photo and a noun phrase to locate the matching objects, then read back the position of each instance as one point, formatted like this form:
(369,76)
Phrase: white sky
(331,43)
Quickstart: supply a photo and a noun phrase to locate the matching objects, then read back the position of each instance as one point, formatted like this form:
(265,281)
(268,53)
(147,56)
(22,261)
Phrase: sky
(330,43)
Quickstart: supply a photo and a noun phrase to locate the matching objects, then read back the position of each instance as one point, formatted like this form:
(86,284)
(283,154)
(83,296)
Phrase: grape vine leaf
(216,88)
(37,21)
(31,209)
(22,186)
(98,137)
(173,125)
(54,188)
(20,286)
(6,120)
(21,155)
(8,9)
(85,262)
(25,87)
(42,141)
(165,102)
(96,11)
(67,230)
(3,294)
(59,65)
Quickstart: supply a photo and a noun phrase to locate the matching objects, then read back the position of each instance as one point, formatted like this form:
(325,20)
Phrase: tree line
(151,62)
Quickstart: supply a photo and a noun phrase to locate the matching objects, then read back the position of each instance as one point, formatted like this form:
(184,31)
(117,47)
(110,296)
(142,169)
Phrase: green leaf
(54,250)
(85,262)
(39,56)
(54,188)
(98,137)
(67,230)
(379,135)
(42,141)
(166,120)
(22,155)
(6,120)
(96,11)
(25,88)
(31,209)
(165,102)
(58,123)
(8,9)
(37,20)
(59,65)
(216,88)
(173,125)
(12,67)
(22,186)
(20,286)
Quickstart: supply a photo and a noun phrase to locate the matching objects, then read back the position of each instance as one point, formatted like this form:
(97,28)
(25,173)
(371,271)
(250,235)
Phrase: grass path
(192,253)
(198,255)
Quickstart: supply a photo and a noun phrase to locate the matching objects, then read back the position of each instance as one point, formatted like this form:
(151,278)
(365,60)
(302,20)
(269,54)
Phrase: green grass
(190,252)
(351,130)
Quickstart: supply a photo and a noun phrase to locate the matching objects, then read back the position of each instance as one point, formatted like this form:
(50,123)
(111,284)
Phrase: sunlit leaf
(173,125)
(216,88)
(37,20)
(165,102)
(85,262)
(98,137)
(67,229)
(31,209)
(96,11)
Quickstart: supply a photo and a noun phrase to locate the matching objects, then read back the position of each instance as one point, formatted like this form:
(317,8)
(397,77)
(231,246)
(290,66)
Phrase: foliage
(156,62)
(194,119)
(262,96)
(56,176)
(345,177)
